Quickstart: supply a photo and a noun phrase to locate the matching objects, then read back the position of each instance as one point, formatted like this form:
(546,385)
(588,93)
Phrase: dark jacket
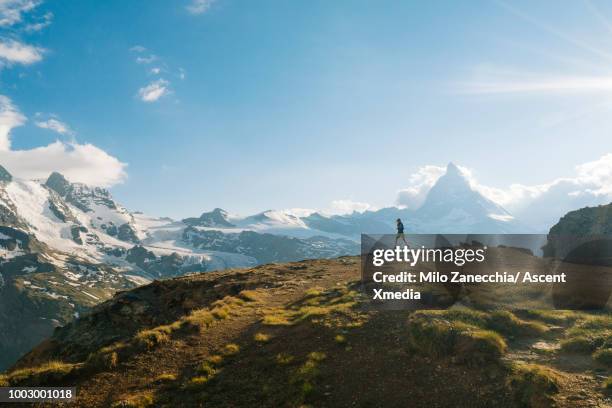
(400,228)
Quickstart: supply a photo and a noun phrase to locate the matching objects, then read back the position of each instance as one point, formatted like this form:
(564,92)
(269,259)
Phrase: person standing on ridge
(400,233)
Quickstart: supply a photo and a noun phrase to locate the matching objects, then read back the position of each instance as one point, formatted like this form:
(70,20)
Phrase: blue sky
(277,104)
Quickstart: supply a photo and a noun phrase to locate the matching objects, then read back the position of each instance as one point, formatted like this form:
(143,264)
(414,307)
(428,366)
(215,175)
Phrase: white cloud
(56,126)
(155,70)
(419,184)
(154,90)
(146,60)
(40,24)
(13,51)
(12,11)
(10,117)
(83,163)
(199,6)
(348,207)
(138,48)
(299,212)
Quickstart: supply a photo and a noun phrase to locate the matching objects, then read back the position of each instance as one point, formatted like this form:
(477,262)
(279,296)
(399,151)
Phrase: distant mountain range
(66,246)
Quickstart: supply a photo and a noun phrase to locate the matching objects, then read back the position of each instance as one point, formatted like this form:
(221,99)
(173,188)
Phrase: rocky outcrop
(587,228)
(79,195)
(126,233)
(216,218)
(5,176)
(581,245)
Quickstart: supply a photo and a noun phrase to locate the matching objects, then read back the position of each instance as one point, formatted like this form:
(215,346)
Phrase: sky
(180,107)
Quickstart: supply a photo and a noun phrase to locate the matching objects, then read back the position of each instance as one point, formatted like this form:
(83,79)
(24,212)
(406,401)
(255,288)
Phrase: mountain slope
(296,334)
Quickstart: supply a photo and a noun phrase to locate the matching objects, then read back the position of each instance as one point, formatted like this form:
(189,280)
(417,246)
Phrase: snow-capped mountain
(87,223)
(65,247)
(451,206)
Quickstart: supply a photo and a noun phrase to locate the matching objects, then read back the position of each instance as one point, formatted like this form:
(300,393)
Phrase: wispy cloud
(15,52)
(138,48)
(55,125)
(143,59)
(146,59)
(419,184)
(160,87)
(39,24)
(199,6)
(12,11)
(154,91)
(507,81)
(348,207)
(543,84)
(577,42)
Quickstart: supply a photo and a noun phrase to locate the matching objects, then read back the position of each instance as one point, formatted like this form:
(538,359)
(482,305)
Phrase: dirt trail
(579,377)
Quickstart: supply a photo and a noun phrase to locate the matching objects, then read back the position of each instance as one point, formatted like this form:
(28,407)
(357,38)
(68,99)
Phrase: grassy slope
(294,335)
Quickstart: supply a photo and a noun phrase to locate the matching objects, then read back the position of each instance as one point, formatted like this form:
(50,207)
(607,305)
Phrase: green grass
(304,378)
(198,381)
(316,306)
(278,317)
(578,344)
(230,349)
(205,372)
(143,400)
(107,358)
(250,295)
(313,292)
(215,359)
(221,313)
(508,324)
(52,372)
(201,319)
(206,369)
(479,346)
(603,356)
(533,385)
(340,339)
(589,335)
(284,358)
(262,337)
(558,317)
(147,339)
(433,333)
(165,378)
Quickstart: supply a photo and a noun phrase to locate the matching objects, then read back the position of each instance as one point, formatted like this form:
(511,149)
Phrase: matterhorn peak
(452,168)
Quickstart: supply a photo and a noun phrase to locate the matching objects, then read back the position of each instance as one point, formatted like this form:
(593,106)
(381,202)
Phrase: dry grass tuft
(231,349)
(262,337)
(142,400)
(533,385)
(49,373)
